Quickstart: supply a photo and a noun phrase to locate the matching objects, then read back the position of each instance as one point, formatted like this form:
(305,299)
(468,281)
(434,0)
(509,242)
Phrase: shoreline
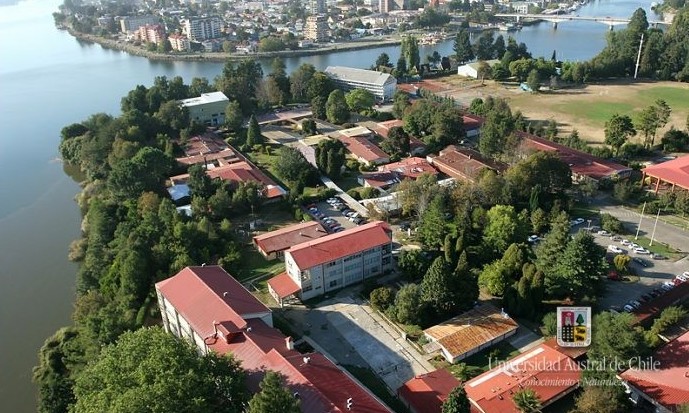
(222,57)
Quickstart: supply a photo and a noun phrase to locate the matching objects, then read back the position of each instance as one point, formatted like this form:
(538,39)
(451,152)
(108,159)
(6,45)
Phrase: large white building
(316,28)
(132,23)
(382,85)
(202,29)
(335,261)
(207,109)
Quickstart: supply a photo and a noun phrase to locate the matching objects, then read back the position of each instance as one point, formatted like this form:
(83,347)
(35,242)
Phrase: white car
(626,242)
(578,221)
(634,246)
(685,273)
(604,233)
(641,251)
(533,239)
(628,308)
(615,249)
(682,278)
(668,285)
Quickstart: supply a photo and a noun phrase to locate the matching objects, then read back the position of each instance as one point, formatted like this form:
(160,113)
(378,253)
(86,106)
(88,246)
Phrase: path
(351,202)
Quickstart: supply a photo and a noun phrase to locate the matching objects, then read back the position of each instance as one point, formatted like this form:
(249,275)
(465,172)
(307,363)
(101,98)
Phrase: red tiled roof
(285,237)
(548,372)
(427,392)
(205,148)
(581,163)
(201,292)
(382,128)
(464,163)
(283,285)
(472,121)
(409,168)
(340,244)
(668,384)
(675,171)
(363,148)
(571,352)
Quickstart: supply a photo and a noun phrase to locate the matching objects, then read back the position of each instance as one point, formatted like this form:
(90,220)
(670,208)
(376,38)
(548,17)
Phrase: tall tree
(318,108)
(150,370)
(410,51)
(408,305)
(527,401)
(253,133)
(499,47)
(618,130)
(462,47)
(299,82)
(336,107)
(233,116)
(397,142)
(383,60)
(438,289)
(554,243)
(457,401)
(579,269)
(484,46)
(504,228)
(400,102)
(273,397)
(534,81)
(359,100)
(465,284)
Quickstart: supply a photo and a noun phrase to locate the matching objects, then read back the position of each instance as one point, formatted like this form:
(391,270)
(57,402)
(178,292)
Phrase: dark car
(640,261)
(658,257)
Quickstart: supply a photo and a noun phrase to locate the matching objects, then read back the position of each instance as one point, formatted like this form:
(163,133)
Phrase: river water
(49,79)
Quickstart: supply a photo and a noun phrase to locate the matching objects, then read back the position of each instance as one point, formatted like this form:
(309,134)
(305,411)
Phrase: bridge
(559,18)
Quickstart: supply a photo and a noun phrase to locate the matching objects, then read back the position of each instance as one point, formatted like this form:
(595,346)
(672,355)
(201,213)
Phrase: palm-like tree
(527,401)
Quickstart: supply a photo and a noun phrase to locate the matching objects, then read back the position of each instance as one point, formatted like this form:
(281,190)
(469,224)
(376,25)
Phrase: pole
(638,57)
(654,228)
(638,227)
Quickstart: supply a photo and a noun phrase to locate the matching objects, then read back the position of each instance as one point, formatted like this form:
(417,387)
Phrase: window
(307,289)
(333,283)
(386,260)
(331,264)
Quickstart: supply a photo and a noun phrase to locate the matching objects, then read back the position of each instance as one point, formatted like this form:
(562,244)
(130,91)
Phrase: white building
(132,23)
(207,109)
(202,29)
(317,7)
(471,69)
(179,42)
(382,85)
(338,260)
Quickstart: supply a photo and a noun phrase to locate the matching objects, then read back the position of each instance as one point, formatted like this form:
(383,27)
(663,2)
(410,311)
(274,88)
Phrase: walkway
(351,202)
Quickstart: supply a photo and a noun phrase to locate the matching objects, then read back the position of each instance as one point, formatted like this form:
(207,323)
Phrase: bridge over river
(559,18)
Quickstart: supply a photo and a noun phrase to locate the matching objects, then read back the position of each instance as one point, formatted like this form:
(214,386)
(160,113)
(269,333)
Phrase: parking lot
(333,214)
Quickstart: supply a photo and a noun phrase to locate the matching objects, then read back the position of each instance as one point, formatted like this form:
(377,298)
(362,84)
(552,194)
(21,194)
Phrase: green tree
(233,116)
(293,167)
(553,244)
(410,52)
(527,401)
(359,100)
(319,85)
(462,47)
(465,284)
(598,399)
(611,224)
(318,107)
(504,227)
(499,47)
(484,46)
(534,80)
(539,221)
(675,140)
(381,298)
(437,288)
(273,397)
(578,269)
(299,82)
(457,401)
(309,127)
(397,143)
(400,103)
(150,370)
(401,67)
(200,184)
(408,307)
(336,107)
(383,60)
(618,130)
(253,133)
(330,157)
(413,264)
(433,224)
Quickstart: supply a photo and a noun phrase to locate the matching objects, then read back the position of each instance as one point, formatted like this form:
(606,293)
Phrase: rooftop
(471,329)
(675,171)
(341,244)
(668,384)
(543,369)
(207,148)
(464,163)
(581,163)
(363,148)
(205,98)
(283,285)
(359,75)
(427,392)
(285,237)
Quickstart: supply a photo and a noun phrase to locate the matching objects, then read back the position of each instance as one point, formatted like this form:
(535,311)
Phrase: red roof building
(472,125)
(394,173)
(273,243)
(581,163)
(356,141)
(463,163)
(208,148)
(340,259)
(664,385)
(427,392)
(416,147)
(551,374)
(674,173)
(208,307)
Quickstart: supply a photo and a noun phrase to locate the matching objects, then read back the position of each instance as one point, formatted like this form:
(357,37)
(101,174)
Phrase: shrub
(382,298)
(611,224)
(549,324)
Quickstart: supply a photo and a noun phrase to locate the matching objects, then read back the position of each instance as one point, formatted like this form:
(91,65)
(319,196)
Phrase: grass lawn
(377,386)
(656,248)
(254,264)
(267,161)
(348,182)
(594,112)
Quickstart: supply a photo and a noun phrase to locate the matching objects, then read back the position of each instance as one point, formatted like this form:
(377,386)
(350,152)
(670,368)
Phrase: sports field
(585,109)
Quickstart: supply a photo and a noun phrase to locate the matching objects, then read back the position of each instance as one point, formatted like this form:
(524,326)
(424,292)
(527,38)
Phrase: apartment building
(132,23)
(316,28)
(317,7)
(338,260)
(202,29)
(151,33)
(382,85)
(179,42)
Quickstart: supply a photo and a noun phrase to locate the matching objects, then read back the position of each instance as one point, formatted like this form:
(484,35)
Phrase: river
(47,80)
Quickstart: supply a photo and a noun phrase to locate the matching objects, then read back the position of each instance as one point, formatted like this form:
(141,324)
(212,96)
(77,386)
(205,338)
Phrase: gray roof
(210,97)
(358,75)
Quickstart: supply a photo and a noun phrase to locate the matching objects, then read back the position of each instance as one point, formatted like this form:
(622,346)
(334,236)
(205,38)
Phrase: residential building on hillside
(316,28)
(197,29)
(469,333)
(463,163)
(151,33)
(209,308)
(179,42)
(426,393)
(337,260)
(546,371)
(382,85)
(208,109)
(272,244)
(132,23)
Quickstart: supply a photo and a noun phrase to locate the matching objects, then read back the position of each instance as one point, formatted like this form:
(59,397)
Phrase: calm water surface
(47,80)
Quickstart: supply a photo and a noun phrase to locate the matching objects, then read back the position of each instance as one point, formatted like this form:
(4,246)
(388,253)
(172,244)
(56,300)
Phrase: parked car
(313,210)
(646,297)
(667,286)
(677,282)
(628,308)
(615,249)
(616,238)
(658,257)
(634,303)
(641,251)
(578,221)
(340,229)
(533,239)
(682,277)
(634,245)
(332,200)
(404,226)
(626,242)
(685,273)
(604,233)
(345,212)
(614,276)
(640,261)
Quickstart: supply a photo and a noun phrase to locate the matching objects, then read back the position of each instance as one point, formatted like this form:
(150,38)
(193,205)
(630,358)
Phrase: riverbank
(221,56)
